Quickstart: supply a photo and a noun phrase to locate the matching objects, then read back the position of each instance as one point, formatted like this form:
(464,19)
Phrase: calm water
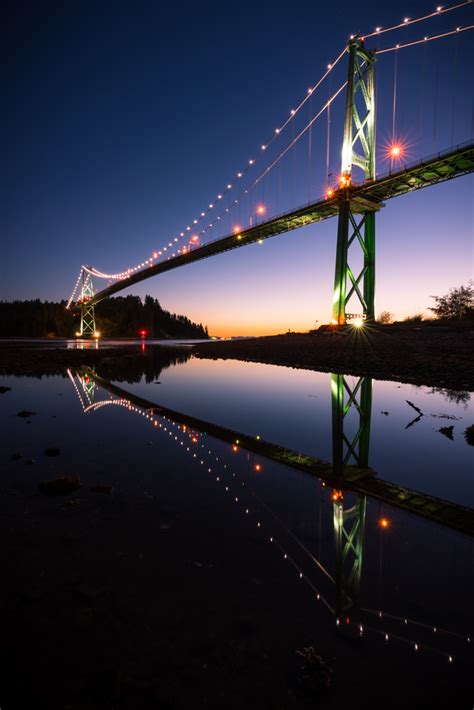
(414,575)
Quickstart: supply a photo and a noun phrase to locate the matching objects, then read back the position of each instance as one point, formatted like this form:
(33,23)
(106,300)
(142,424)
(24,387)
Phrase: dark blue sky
(125,119)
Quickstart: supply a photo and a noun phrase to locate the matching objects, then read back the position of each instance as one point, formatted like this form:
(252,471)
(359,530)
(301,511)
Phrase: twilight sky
(125,120)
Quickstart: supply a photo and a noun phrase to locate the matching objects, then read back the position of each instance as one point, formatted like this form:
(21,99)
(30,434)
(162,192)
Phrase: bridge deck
(430,171)
(360,481)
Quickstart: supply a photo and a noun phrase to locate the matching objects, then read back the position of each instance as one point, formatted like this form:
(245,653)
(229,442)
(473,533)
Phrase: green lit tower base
(356,225)
(87,312)
(349,521)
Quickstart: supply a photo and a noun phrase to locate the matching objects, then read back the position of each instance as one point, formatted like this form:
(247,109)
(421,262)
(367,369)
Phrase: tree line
(115,317)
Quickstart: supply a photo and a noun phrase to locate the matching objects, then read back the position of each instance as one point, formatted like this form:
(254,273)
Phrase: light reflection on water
(413,569)
(292,407)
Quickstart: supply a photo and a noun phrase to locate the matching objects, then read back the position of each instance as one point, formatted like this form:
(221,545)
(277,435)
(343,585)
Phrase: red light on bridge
(195,238)
(329,192)
(258,467)
(261,209)
(384,523)
(143,332)
(345,180)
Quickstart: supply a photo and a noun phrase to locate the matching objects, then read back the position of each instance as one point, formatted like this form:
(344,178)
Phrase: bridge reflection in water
(350,482)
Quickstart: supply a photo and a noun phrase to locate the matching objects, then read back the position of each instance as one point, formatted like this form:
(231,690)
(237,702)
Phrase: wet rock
(25,414)
(16,456)
(447,431)
(52,451)
(60,486)
(469,435)
(102,488)
(4,389)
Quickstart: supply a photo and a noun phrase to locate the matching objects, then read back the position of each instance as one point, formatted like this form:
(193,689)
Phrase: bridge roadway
(356,480)
(371,195)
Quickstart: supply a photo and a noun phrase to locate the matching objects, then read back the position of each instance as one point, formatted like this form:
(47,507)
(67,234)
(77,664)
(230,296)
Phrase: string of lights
(230,185)
(407,21)
(425,39)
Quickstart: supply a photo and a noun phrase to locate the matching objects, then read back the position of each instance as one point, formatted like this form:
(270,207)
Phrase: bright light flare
(329,192)
(260,209)
(358,322)
(96,334)
(384,523)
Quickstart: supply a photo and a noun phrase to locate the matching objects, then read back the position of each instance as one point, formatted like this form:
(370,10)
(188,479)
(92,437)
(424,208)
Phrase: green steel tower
(87,311)
(356,225)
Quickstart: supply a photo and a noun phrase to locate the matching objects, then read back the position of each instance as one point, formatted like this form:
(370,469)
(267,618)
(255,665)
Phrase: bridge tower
(356,224)
(349,448)
(87,311)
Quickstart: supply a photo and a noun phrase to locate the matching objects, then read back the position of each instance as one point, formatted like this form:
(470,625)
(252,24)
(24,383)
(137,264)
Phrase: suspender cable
(394,108)
(455,71)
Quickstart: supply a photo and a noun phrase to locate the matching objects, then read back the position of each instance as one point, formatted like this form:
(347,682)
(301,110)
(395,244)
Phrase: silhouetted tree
(458,303)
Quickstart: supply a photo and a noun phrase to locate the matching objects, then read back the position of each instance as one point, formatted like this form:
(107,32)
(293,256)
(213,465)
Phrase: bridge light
(251,162)
(239,175)
(261,209)
(384,523)
(358,322)
(195,238)
(236,229)
(96,334)
(329,192)
(258,467)
(277,130)
(155,255)
(229,186)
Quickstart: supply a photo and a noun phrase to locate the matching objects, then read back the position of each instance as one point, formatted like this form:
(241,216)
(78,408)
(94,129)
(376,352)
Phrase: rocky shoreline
(431,356)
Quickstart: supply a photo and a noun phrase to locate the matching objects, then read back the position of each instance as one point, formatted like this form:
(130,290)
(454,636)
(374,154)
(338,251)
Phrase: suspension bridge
(354,197)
